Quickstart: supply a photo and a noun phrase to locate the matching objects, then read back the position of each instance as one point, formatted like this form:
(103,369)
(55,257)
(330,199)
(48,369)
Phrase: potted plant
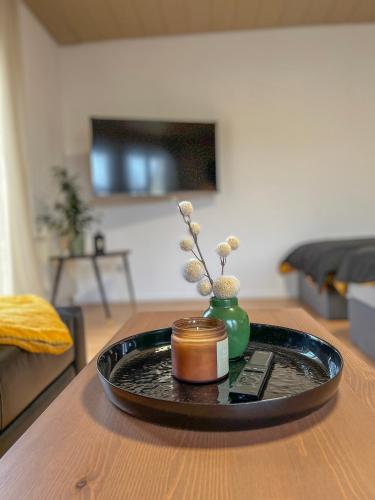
(70,215)
(223,288)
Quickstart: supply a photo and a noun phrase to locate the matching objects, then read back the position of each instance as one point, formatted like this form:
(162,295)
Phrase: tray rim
(180,404)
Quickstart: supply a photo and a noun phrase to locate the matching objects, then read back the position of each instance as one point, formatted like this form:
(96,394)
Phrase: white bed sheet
(363,293)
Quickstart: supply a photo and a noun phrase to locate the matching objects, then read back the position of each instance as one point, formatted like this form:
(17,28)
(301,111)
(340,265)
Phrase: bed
(357,277)
(361,314)
(326,268)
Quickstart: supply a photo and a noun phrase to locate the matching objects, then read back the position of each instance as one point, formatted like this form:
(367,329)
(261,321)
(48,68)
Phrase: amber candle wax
(199,350)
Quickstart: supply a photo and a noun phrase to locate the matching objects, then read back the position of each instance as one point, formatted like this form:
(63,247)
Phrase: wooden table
(124,254)
(84,447)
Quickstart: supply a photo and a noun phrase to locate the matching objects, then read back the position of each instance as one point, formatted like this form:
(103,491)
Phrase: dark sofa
(30,382)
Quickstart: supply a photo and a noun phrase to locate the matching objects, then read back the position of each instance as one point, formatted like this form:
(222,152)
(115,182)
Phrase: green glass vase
(236,321)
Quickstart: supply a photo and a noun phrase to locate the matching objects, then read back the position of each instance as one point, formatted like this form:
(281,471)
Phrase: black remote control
(250,382)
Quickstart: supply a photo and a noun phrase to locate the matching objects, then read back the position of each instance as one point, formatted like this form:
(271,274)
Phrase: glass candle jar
(199,350)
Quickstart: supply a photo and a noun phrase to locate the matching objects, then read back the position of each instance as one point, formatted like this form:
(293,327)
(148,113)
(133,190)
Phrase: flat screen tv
(152,158)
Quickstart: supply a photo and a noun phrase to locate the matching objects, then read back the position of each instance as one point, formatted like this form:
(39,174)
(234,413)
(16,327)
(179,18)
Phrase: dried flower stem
(223,261)
(196,256)
(195,238)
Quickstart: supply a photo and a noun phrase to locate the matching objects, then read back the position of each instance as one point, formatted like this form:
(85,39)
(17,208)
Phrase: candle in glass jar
(199,350)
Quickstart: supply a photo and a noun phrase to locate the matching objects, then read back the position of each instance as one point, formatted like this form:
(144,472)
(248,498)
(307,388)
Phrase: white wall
(41,67)
(296,114)
(43,116)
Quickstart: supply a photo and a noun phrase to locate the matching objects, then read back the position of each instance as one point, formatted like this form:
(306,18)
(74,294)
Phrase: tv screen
(152,158)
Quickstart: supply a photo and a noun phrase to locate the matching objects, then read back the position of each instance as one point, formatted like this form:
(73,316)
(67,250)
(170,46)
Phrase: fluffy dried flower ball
(195,227)
(204,287)
(226,287)
(186,244)
(223,249)
(233,242)
(186,208)
(193,271)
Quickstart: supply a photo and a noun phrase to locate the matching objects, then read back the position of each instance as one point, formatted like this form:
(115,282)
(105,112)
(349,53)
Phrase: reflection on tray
(148,373)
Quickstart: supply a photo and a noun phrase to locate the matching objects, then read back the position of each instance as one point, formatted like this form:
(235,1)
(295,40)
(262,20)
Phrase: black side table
(93,257)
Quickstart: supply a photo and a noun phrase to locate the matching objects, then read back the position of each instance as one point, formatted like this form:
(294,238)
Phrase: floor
(99,330)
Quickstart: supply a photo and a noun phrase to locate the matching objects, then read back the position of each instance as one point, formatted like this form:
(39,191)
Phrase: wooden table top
(84,447)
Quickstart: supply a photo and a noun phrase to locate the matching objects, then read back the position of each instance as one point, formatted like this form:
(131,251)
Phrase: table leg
(56,281)
(129,279)
(101,288)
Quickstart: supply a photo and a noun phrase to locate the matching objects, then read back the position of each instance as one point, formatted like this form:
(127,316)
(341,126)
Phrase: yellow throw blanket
(31,323)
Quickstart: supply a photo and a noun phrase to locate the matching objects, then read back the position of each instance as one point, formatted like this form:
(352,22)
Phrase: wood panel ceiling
(77,21)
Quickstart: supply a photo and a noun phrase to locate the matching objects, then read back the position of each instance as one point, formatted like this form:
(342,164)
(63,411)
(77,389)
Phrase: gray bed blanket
(358,266)
(323,258)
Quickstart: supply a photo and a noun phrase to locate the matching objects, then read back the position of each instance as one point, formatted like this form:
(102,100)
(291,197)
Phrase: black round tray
(136,377)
